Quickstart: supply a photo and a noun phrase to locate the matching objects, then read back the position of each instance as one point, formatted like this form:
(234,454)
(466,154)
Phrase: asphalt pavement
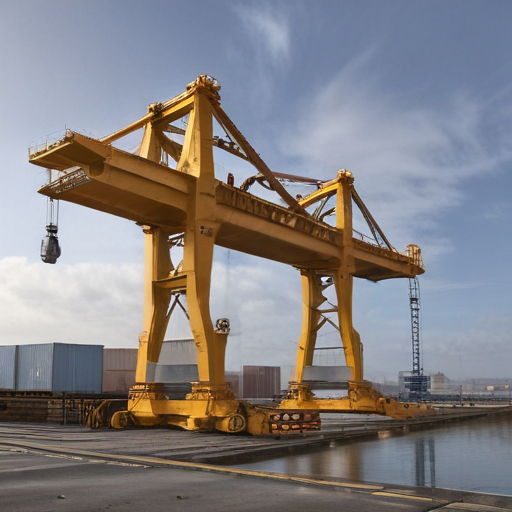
(53,468)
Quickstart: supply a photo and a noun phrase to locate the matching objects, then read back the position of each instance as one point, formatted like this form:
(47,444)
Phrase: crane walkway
(104,178)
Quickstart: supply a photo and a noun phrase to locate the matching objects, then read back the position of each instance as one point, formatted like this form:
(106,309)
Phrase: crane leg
(312,298)
(350,337)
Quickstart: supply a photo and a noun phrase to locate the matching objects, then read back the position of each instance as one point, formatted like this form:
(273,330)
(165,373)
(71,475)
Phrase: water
(473,455)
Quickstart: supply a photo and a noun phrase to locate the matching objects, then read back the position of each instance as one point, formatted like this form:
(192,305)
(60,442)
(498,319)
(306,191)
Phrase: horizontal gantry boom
(122,184)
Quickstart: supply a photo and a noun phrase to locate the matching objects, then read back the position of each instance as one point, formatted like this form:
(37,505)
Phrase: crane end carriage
(186,200)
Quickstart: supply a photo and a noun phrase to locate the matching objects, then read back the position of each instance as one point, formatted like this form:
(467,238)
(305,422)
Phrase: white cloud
(103,304)
(262,49)
(409,160)
(83,303)
(268,30)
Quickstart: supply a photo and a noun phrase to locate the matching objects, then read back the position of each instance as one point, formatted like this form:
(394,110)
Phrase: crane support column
(197,159)
(211,404)
(312,296)
(158,266)
(350,337)
(343,280)
(312,299)
(312,316)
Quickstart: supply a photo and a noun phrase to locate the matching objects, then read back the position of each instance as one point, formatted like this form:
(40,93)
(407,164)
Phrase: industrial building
(413,386)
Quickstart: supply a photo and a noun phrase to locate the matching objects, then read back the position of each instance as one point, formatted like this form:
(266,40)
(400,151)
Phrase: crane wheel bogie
(121,420)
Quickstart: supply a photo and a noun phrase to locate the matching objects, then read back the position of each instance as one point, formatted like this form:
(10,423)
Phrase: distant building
(412,386)
(438,381)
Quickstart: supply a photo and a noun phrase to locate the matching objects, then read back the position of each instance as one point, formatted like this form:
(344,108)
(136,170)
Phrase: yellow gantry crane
(185,204)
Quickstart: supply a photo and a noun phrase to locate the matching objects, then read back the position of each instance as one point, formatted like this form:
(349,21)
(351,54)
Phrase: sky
(414,98)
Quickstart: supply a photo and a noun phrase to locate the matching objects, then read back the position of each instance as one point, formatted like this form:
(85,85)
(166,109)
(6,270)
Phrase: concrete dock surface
(53,467)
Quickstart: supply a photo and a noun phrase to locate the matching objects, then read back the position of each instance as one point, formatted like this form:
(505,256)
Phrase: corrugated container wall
(60,368)
(8,367)
(260,381)
(77,368)
(35,367)
(119,365)
(178,352)
(177,363)
(234,382)
(119,358)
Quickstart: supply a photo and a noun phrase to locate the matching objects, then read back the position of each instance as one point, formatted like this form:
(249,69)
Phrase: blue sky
(415,98)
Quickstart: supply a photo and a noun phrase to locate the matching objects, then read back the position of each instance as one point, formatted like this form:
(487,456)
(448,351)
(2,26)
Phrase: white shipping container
(8,367)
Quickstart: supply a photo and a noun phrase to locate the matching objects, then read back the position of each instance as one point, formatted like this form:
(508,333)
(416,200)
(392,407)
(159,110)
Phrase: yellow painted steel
(190,200)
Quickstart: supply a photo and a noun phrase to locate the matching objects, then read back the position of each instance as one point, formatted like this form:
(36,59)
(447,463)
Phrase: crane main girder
(149,193)
(189,199)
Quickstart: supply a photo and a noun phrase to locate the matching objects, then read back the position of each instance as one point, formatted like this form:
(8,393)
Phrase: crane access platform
(186,204)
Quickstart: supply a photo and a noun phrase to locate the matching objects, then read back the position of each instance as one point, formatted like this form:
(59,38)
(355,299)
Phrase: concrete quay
(164,469)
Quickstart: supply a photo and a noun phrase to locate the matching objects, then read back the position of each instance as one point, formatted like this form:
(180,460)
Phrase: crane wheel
(236,423)
(232,424)
(120,419)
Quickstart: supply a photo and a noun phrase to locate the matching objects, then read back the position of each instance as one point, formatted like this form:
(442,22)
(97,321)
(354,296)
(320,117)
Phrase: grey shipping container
(59,368)
(327,373)
(8,367)
(260,381)
(118,381)
(177,363)
(119,365)
(175,373)
(178,352)
(119,359)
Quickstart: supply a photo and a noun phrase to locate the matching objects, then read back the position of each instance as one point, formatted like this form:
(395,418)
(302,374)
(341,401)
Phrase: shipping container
(8,367)
(176,373)
(119,359)
(233,378)
(118,381)
(59,368)
(119,366)
(260,381)
(178,352)
(327,373)
(177,363)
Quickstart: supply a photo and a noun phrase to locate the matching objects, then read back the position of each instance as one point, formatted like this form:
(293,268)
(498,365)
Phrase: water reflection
(473,455)
(425,459)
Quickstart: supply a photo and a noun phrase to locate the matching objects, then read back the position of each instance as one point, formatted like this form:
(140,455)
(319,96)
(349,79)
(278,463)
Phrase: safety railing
(45,143)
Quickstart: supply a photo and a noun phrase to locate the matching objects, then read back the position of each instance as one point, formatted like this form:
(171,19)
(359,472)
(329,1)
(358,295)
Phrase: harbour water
(473,455)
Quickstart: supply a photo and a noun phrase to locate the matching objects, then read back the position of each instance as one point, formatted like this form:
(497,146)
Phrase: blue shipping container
(60,368)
